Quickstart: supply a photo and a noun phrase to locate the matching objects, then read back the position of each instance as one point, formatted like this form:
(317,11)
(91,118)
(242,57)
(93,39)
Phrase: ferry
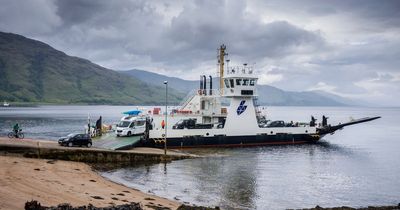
(202,120)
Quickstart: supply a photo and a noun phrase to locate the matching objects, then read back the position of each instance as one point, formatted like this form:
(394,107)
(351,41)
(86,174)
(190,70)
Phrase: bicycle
(18,135)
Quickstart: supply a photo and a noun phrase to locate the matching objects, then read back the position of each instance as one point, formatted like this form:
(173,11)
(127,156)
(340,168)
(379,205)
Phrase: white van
(131,125)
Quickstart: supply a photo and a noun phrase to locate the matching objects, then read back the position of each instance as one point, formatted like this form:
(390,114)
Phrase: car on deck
(131,125)
(76,139)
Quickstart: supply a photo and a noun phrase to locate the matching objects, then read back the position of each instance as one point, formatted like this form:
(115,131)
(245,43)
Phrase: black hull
(232,141)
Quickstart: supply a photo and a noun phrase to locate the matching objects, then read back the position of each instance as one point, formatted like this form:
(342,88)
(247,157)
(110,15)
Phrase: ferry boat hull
(233,141)
(263,139)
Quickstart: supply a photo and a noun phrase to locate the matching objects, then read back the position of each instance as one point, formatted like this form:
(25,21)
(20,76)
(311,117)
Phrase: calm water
(52,122)
(357,166)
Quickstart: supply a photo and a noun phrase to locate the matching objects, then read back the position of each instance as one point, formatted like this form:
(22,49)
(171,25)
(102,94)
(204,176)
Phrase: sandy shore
(54,144)
(55,182)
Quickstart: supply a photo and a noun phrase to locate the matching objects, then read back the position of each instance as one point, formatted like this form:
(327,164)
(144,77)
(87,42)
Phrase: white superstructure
(202,120)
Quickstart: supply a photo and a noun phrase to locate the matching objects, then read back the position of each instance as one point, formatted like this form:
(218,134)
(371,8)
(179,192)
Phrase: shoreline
(41,170)
(52,182)
(45,149)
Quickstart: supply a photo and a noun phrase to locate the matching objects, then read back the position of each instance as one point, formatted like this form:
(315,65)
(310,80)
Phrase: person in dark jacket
(99,126)
(324,120)
(16,129)
(312,122)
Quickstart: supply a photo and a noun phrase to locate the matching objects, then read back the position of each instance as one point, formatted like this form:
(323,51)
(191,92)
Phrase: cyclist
(16,129)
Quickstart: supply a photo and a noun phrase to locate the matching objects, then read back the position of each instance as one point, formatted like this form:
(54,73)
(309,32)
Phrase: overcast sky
(347,47)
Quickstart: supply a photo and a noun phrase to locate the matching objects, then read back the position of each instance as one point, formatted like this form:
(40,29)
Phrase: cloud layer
(350,48)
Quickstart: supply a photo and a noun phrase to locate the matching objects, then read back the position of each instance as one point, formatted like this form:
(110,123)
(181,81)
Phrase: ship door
(205,105)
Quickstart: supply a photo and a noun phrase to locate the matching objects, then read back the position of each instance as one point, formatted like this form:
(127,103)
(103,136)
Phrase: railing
(199,92)
(240,70)
(206,92)
(188,98)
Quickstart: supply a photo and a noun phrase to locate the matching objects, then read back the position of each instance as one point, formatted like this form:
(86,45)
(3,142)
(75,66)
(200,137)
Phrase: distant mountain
(157,79)
(268,95)
(344,100)
(32,71)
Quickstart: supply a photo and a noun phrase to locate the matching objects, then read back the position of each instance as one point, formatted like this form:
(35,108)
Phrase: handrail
(214,92)
(199,92)
(187,98)
(240,70)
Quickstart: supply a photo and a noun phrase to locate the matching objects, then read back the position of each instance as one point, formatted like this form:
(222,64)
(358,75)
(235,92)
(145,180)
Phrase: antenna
(221,67)
(227,64)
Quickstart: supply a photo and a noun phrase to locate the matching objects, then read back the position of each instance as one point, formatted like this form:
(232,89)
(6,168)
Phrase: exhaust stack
(201,84)
(205,84)
(211,85)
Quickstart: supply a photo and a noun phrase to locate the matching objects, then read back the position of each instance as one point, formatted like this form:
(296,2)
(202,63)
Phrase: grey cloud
(28,17)
(78,11)
(386,12)
(321,10)
(101,13)
(135,34)
(193,33)
(375,55)
(369,14)
(386,77)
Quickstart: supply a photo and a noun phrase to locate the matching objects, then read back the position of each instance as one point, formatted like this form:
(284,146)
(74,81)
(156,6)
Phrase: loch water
(357,166)
(52,122)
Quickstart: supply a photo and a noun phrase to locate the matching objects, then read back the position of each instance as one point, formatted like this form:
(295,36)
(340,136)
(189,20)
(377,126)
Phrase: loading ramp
(111,141)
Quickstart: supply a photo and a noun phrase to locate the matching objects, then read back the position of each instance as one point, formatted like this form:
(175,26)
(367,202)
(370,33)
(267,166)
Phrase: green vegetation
(34,72)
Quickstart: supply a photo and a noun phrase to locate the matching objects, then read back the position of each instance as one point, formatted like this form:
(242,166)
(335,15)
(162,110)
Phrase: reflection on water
(278,177)
(358,166)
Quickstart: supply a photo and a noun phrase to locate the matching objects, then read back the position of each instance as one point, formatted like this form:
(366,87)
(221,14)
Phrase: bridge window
(245,82)
(252,82)
(226,83)
(247,92)
(238,82)
(232,83)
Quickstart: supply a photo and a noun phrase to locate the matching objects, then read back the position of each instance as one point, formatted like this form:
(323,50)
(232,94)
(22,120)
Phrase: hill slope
(32,71)
(268,95)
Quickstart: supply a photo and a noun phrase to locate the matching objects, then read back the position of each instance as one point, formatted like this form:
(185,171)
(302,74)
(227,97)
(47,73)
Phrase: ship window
(232,83)
(247,92)
(226,83)
(252,82)
(124,124)
(238,81)
(245,82)
(139,123)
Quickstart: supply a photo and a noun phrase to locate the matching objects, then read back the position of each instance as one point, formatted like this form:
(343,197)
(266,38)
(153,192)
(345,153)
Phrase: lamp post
(166,116)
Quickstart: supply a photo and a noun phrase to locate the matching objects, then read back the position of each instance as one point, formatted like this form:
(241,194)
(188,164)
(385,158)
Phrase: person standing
(99,126)
(162,124)
(324,120)
(312,122)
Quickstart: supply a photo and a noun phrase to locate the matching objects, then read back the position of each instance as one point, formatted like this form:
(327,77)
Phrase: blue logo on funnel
(241,108)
